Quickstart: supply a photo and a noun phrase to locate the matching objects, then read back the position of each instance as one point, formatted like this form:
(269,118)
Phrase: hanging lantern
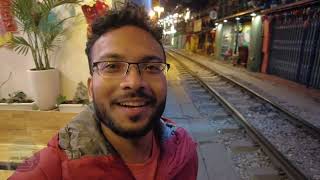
(7,23)
(98,9)
(6,18)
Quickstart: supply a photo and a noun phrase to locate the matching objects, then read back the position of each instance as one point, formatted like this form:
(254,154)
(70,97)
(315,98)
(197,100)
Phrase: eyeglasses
(120,68)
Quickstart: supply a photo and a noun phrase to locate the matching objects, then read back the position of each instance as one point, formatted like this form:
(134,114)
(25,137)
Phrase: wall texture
(70,59)
(255,53)
(11,62)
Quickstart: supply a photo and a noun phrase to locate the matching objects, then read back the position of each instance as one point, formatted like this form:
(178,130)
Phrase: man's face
(129,105)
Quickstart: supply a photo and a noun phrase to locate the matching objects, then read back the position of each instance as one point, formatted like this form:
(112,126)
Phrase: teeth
(133,104)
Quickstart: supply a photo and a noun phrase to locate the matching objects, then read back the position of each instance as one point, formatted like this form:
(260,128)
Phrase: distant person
(121,135)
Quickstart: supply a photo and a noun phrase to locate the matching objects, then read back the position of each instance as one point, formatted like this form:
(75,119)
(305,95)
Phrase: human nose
(133,78)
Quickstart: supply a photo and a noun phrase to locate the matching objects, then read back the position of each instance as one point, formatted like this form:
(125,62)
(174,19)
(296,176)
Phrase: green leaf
(20,45)
(42,35)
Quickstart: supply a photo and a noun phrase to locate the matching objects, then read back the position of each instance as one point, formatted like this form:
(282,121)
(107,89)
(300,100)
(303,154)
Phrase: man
(122,134)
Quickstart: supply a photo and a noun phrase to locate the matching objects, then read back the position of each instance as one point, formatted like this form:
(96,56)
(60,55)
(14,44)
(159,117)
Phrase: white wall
(11,62)
(70,59)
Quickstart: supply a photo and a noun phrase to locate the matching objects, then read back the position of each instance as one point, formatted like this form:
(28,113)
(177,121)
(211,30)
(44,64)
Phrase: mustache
(134,94)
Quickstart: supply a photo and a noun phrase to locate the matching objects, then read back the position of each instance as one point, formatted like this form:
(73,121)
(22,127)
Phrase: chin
(133,127)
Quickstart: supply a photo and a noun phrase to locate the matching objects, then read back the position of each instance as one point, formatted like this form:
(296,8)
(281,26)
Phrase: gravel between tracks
(301,149)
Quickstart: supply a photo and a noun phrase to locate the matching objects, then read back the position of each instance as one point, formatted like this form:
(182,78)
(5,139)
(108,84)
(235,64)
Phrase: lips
(133,103)
(134,107)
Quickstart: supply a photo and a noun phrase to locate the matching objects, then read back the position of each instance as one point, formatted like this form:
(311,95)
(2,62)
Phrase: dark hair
(129,14)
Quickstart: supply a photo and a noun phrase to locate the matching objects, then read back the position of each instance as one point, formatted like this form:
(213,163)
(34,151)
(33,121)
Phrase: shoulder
(179,151)
(176,137)
(170,129)
(45,164)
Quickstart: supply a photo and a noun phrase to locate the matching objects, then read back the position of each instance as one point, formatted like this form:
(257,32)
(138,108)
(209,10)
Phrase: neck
(131,150)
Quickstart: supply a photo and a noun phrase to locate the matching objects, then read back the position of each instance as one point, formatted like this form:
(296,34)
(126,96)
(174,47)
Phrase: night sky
(192,4)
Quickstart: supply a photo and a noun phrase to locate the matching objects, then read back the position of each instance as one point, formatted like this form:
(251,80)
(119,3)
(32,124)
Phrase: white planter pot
(76,108)
(17,106)
(45,87)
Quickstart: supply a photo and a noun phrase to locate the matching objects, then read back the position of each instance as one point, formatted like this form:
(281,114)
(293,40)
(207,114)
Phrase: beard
(105,117)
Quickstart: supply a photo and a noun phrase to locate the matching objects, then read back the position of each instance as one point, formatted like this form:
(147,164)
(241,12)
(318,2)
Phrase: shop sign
(197,25)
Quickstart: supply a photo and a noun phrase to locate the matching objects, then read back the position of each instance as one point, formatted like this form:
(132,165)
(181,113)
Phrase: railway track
(292,143)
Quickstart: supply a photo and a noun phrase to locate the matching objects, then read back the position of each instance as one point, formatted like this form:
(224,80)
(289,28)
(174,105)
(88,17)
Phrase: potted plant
(40,33)
(17,101)
(78,103)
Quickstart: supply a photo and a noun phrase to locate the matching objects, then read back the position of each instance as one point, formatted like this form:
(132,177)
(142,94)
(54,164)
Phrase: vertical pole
(237,37)
(301,54)
(313,53)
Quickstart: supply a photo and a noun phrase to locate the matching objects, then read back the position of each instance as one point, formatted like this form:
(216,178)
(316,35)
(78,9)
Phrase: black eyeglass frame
(95,66)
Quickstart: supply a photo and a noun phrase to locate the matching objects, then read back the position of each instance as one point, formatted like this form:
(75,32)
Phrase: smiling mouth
(133,104)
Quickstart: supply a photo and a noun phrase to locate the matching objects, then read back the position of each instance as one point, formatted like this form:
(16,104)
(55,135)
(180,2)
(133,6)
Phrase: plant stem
(33,51)
(38,52)
(46,58)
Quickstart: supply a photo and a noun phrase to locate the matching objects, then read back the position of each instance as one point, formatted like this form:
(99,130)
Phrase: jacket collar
(83,136)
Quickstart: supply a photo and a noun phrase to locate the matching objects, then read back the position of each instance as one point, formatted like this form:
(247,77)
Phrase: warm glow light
(187,16)
(253,14)
(159,10)
(216,24)
(225,20)
(172,30)
(151,14)
(237,18)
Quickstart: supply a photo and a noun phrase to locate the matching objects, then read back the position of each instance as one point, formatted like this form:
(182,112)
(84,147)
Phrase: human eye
(153,67)
(111,67)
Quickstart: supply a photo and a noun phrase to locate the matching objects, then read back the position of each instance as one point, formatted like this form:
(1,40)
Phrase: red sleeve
(43,165)
(190,170)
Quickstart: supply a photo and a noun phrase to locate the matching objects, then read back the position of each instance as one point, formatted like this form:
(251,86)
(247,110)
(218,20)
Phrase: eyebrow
(151,57)
(116,56)
(110,56)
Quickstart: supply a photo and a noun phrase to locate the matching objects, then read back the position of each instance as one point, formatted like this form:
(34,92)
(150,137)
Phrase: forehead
(129,42)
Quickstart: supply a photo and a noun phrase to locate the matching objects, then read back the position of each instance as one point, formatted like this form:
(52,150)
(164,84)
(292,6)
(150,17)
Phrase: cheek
(103,89)
(160,88)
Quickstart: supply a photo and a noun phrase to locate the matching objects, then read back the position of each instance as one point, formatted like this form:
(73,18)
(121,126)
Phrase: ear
(90,88)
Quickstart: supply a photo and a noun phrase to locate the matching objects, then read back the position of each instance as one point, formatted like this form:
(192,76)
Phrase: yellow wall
(71,59)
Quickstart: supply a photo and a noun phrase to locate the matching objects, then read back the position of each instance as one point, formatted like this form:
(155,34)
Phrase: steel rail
(275,156)
(294,118)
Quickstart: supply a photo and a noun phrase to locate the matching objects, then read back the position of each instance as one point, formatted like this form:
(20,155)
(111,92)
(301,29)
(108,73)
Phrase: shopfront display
(243,43)
(227,41)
